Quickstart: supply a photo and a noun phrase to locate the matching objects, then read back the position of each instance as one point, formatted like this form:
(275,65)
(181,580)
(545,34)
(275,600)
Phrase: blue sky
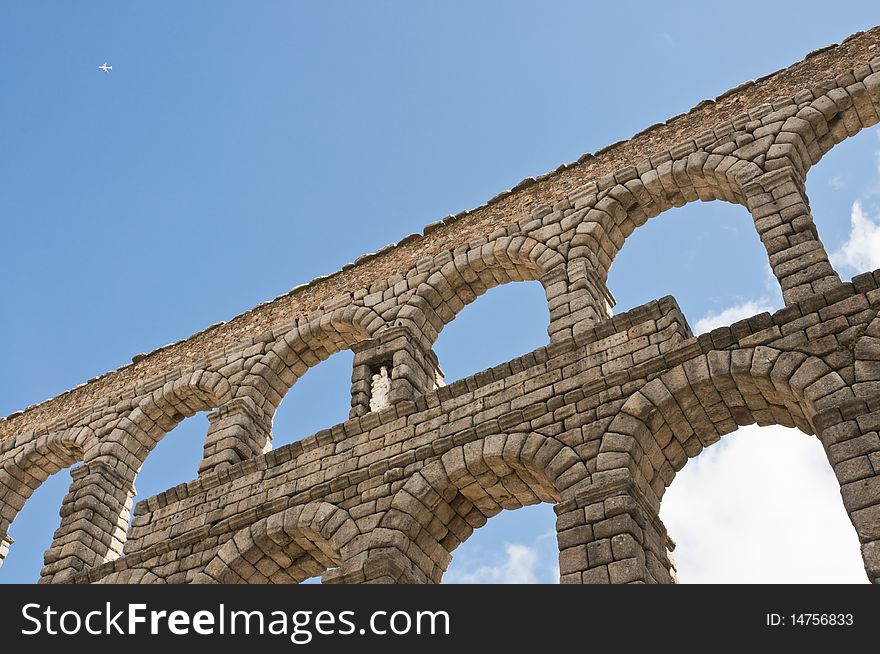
(238,149)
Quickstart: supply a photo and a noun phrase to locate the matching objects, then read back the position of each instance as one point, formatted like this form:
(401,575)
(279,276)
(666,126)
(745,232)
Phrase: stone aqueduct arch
(597,423)
(440,506)
(286,547)
(28,464)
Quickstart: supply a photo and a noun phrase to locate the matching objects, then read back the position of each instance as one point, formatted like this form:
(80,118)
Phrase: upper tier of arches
(568,247)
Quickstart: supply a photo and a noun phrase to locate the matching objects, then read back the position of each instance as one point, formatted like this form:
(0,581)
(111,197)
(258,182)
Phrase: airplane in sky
(105,67)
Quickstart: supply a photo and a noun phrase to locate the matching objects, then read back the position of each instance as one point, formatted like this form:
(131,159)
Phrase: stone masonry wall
(597,422)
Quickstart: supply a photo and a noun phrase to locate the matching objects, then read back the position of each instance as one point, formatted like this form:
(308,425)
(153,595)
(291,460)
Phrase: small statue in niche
(380,389)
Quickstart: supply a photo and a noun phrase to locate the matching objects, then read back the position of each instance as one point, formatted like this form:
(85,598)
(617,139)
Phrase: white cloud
(861,251)
(837,183)
(761,506)
(518,566)
(732,314)
(490,556)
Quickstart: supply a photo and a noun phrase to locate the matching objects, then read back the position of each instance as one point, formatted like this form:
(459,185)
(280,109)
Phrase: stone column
(779,206)
(238,431)
(411,368)
(609,533)
(94,520)
(5,544)
(850,435)
(576,295)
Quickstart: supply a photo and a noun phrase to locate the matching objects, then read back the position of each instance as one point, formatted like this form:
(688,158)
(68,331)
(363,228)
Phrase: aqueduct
(597,423)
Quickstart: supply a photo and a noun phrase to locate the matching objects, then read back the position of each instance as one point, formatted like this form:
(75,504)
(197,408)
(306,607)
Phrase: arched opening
(33,529)
(28,468)
(677,415)
(505,323)
(844,191)
(461,278)
(319,399)
(174,459)
(690,252)
(440,506)
(761,506)
(289,547)
(514,547)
